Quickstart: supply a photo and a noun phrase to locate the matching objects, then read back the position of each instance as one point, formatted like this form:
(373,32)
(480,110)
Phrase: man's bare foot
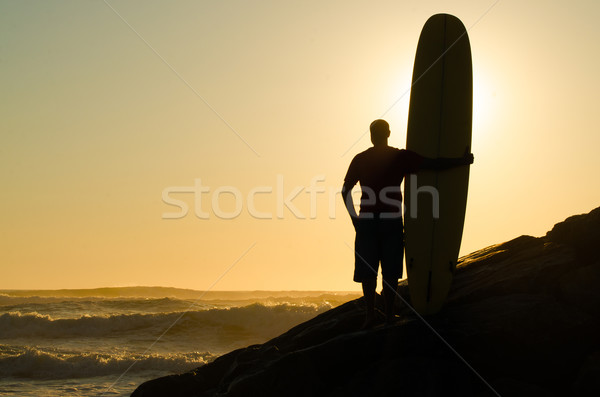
(369,323)
(374,319)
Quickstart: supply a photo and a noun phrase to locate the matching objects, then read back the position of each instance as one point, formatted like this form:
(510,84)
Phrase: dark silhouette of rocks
(524,315)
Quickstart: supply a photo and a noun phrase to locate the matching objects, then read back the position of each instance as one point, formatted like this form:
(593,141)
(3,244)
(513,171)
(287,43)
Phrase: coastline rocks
(522,319)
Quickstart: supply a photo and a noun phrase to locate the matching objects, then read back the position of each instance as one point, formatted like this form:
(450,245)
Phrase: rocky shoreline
(522,319)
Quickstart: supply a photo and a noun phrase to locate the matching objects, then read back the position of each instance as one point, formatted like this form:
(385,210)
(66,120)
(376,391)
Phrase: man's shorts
(378,240)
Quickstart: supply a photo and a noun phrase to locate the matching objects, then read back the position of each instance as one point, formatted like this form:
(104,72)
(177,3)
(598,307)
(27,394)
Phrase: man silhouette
(379,227)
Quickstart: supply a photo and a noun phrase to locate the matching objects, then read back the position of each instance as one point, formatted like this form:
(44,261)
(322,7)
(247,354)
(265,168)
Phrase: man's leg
(366,264)
(390,286)
(391,262)
(368,288)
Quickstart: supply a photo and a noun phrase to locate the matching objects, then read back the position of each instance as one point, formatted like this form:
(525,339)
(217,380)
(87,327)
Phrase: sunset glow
(105,107)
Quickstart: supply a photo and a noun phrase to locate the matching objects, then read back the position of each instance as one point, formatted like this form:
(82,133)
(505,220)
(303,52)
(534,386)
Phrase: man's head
(380,132)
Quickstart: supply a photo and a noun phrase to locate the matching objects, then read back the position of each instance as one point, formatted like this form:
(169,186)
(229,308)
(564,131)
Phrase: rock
(588,380)
(522,319)
(581,233)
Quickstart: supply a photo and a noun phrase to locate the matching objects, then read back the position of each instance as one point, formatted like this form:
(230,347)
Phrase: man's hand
(354,222)
(348,203)
(468,157)
(442,163)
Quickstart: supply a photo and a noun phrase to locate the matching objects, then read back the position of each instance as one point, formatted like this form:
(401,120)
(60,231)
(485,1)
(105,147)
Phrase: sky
(199,144)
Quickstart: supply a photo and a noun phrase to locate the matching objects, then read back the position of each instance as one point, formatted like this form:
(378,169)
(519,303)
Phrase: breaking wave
(259,319)
(35,363)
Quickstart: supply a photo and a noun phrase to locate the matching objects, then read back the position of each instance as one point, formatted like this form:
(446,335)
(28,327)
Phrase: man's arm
(348,203)
(443,163)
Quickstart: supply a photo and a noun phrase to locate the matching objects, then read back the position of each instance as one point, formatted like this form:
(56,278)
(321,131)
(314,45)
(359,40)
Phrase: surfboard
(439,125)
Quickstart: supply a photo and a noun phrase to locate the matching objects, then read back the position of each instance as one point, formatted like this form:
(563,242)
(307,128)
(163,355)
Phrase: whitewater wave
(73,307)
(258,319)
(36,363)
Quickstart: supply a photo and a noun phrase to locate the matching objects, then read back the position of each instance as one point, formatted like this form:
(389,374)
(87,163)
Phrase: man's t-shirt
(380,170)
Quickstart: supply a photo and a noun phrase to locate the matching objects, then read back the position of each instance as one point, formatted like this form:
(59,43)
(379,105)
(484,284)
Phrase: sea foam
(257,318)
(36,363)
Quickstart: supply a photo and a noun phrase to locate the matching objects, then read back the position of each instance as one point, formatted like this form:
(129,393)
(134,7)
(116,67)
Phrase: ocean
(107,341)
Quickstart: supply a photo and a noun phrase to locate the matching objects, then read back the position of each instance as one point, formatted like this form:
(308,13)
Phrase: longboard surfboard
(439,125)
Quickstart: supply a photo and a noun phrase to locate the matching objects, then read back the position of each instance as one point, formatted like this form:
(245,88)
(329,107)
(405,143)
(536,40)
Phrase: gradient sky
(104,105)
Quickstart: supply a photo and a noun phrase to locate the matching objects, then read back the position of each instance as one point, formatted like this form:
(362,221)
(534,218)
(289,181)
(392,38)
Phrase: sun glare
(483,99)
